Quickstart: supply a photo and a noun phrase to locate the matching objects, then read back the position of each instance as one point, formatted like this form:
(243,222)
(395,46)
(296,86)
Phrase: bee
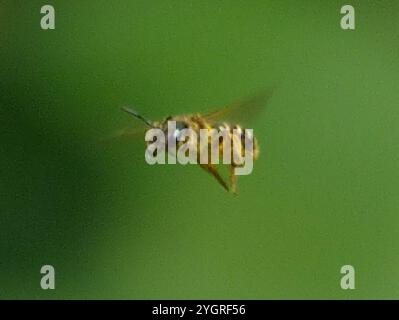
(219,120)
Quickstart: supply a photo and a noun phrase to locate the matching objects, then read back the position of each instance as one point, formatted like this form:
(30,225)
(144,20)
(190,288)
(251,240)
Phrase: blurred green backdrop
(323,193)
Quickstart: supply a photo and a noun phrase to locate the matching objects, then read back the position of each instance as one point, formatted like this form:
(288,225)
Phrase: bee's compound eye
(176,134)
(180,125)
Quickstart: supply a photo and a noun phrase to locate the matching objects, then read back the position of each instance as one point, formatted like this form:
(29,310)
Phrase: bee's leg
(233,180)
(212,170)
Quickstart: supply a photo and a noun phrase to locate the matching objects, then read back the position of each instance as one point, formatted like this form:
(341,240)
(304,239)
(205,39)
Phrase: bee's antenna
(137,115)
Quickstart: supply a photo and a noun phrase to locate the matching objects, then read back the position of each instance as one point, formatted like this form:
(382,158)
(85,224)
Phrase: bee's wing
(242,111)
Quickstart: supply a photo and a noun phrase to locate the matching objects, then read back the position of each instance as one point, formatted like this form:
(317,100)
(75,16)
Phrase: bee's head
(173,127)
(180,125)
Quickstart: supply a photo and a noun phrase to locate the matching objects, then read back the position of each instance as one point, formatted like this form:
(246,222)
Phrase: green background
(324,192)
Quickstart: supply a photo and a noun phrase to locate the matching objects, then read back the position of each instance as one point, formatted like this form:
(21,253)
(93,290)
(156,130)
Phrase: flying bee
(217,120)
